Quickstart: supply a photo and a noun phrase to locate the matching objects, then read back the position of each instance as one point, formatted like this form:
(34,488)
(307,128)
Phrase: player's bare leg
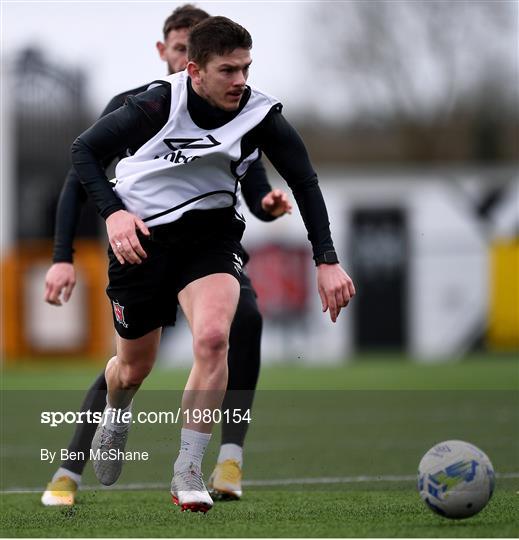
(124,375)
(126,371)
(209,305)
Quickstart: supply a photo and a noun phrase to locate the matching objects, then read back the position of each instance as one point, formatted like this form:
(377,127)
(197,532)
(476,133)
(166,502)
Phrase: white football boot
(189,492)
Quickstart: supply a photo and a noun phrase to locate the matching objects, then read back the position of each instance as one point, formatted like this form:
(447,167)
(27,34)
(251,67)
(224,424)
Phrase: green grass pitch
(331,452)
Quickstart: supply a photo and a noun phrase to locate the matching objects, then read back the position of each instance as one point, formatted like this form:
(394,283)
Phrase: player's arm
(129,126)
(61,276)
(264,202)
(286,151)
(71,201)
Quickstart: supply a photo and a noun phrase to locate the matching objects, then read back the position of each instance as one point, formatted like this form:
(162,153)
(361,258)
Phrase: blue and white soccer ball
(455,479)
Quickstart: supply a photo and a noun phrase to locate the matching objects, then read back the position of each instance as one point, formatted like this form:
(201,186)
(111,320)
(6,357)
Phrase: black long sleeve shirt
(73,196)
(145,114)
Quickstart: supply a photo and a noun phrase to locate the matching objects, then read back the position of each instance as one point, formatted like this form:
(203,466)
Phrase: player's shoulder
(120,99)
(179,78)
(258,95)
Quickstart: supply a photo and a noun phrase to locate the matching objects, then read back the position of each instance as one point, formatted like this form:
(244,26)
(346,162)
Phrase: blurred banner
(503,327)
(280,277)
(379,261)
(33,328)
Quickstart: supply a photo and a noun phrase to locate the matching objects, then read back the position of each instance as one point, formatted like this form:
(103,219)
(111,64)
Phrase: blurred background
(409,110)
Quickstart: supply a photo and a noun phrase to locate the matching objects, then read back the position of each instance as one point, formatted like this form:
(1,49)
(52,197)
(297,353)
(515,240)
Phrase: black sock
(95,401)
(244,363)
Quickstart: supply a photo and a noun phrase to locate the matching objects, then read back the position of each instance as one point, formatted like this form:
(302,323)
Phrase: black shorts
(144,296)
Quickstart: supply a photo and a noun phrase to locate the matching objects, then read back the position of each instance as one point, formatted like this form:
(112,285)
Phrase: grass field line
(278,482)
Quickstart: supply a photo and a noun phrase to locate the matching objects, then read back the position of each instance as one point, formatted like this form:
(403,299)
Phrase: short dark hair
(185,16)
(216,36)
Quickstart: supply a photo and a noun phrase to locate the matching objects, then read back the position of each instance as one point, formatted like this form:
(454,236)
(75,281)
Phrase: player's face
(174,50)
(222,81)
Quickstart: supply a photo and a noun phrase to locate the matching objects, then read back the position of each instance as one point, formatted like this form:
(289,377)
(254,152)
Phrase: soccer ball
(455,479)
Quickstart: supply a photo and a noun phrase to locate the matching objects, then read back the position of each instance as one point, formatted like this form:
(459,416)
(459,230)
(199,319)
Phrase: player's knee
(131,375)
(211,343)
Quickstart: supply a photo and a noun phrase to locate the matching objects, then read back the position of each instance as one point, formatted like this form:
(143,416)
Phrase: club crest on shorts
(119,313)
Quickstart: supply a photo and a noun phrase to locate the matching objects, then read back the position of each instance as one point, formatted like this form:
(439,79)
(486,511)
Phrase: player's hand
(122,227)
(60,280)
(335,287)
(276,203)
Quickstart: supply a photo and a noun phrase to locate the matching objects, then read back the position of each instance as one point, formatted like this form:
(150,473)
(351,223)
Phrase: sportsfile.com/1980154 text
(202,416)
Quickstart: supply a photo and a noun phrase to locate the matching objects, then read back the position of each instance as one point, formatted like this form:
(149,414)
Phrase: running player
(245,336)
(174,231)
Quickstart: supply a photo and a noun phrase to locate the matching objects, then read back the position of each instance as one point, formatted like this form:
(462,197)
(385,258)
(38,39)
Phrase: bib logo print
(119,314)
(179,144)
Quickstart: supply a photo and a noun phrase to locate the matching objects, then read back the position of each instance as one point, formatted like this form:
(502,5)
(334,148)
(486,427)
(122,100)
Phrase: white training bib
(184,167)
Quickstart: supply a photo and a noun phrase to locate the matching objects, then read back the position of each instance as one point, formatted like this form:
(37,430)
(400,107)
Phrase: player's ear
(193,70)
(161,48)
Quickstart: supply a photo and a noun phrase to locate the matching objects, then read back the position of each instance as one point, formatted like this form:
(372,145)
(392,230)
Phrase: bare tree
(417,59)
